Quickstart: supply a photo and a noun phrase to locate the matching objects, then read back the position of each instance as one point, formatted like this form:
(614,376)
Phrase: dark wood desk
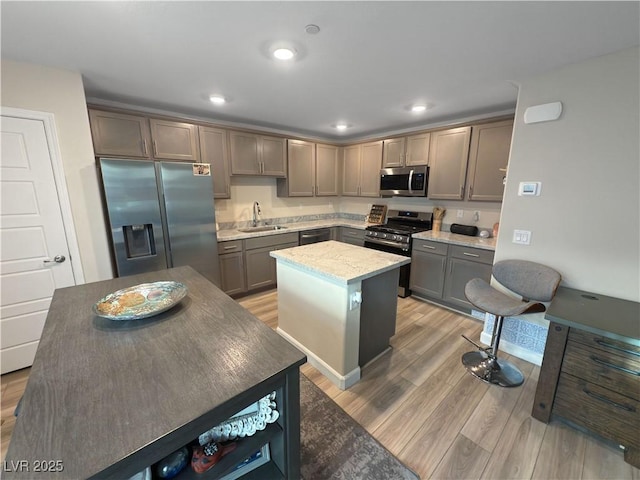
(105,398)
(590,372)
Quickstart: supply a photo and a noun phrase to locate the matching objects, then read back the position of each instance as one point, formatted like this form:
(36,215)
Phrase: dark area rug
(333,445)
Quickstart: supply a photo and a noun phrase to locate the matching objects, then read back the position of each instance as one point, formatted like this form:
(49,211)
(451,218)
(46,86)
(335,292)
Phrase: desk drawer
(603,343)
(619,373)
(607,413)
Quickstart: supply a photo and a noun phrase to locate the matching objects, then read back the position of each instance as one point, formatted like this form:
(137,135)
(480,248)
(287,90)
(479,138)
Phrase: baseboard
(515,350)
(341,381)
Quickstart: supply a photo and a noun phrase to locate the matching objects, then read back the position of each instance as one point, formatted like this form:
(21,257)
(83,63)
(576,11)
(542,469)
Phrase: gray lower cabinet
(428,267)
(465,264)
(261,267)
(353,236)
(231,258)
(440,271)
(246,265)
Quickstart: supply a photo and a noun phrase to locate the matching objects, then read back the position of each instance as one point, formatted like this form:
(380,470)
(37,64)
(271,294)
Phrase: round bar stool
(535,283)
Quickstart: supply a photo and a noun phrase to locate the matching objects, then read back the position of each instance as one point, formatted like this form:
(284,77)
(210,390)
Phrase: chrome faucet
(256,212)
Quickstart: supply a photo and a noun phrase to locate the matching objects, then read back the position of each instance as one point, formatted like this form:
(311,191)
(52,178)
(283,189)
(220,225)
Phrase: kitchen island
(337,303)
(108,398)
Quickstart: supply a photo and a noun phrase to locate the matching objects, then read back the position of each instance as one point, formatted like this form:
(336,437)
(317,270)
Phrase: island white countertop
(457,239)
(338,262)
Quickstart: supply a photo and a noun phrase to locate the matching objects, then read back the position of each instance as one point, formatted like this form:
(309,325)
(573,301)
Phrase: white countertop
(457,239)
(339,262)
(233,234)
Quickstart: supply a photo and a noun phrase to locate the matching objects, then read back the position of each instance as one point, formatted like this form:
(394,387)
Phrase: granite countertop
(457,239)
(234,234)
(338,262)
(599,314)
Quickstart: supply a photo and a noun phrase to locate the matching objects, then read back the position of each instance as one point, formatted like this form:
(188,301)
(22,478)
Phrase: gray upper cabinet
(370,170)
(214,150)
(351,170)
(417,152)
(119,134)
(449,152)
(174,140)
(253,154)
(300,181)
(393,152)
(361,170)
(136,136)
(327,165)
(312,170)
(274,156)
(488,158)
(406,151)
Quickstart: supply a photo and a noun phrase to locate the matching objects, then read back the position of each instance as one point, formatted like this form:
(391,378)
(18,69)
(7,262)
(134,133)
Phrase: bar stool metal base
(492,370)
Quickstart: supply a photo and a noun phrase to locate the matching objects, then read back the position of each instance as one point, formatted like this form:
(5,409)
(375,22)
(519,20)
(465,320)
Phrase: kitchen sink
(265,228)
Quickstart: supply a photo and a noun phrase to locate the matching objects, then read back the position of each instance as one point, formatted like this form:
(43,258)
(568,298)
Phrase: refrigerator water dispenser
(138,240)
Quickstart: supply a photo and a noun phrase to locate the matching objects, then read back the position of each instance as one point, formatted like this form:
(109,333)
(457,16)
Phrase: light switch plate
(522,237)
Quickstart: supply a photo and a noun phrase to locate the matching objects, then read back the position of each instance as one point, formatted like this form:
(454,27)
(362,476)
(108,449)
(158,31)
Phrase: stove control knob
(384,235)
(375,234)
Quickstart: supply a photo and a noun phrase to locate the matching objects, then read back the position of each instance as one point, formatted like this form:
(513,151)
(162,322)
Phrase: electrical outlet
(522,237)
(355,299)
(460,213)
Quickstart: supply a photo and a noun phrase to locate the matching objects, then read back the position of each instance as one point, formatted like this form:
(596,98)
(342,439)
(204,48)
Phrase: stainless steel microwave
(404,182)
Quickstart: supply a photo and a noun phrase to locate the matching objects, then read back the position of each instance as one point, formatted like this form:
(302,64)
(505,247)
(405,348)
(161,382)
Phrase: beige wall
(61,93)
(585,223)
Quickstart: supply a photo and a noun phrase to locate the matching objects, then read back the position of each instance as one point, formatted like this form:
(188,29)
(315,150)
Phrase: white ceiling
(368,63)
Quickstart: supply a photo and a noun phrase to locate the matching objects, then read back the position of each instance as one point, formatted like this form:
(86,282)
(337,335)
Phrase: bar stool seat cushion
(486,298)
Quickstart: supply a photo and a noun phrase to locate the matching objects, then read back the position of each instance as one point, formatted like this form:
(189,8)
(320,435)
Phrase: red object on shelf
(201,462)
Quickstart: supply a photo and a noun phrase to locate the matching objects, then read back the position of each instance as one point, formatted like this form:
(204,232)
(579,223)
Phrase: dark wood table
(105,398)
(590,375)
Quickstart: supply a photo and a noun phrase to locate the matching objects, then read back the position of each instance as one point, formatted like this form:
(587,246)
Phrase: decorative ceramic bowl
(140,301)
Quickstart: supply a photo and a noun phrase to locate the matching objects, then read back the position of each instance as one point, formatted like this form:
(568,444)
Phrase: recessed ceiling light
(284,53)
(342,126)
(217,99)
(418,108)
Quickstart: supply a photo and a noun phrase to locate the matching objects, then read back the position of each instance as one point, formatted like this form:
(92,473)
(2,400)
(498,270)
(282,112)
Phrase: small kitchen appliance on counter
(395,237)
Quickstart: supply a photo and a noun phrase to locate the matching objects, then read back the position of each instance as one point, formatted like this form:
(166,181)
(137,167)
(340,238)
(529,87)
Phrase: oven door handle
(388,243)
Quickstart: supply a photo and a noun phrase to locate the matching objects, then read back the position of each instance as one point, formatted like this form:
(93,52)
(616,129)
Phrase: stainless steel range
(395,237)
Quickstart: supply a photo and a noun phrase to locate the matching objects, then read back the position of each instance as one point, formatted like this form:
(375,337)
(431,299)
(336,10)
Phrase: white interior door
(34,255)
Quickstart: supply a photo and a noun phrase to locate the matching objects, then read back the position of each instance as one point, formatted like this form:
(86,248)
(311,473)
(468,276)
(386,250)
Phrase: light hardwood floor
(420,403)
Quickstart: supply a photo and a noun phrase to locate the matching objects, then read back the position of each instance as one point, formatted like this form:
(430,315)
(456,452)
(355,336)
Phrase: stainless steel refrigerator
(161,215)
